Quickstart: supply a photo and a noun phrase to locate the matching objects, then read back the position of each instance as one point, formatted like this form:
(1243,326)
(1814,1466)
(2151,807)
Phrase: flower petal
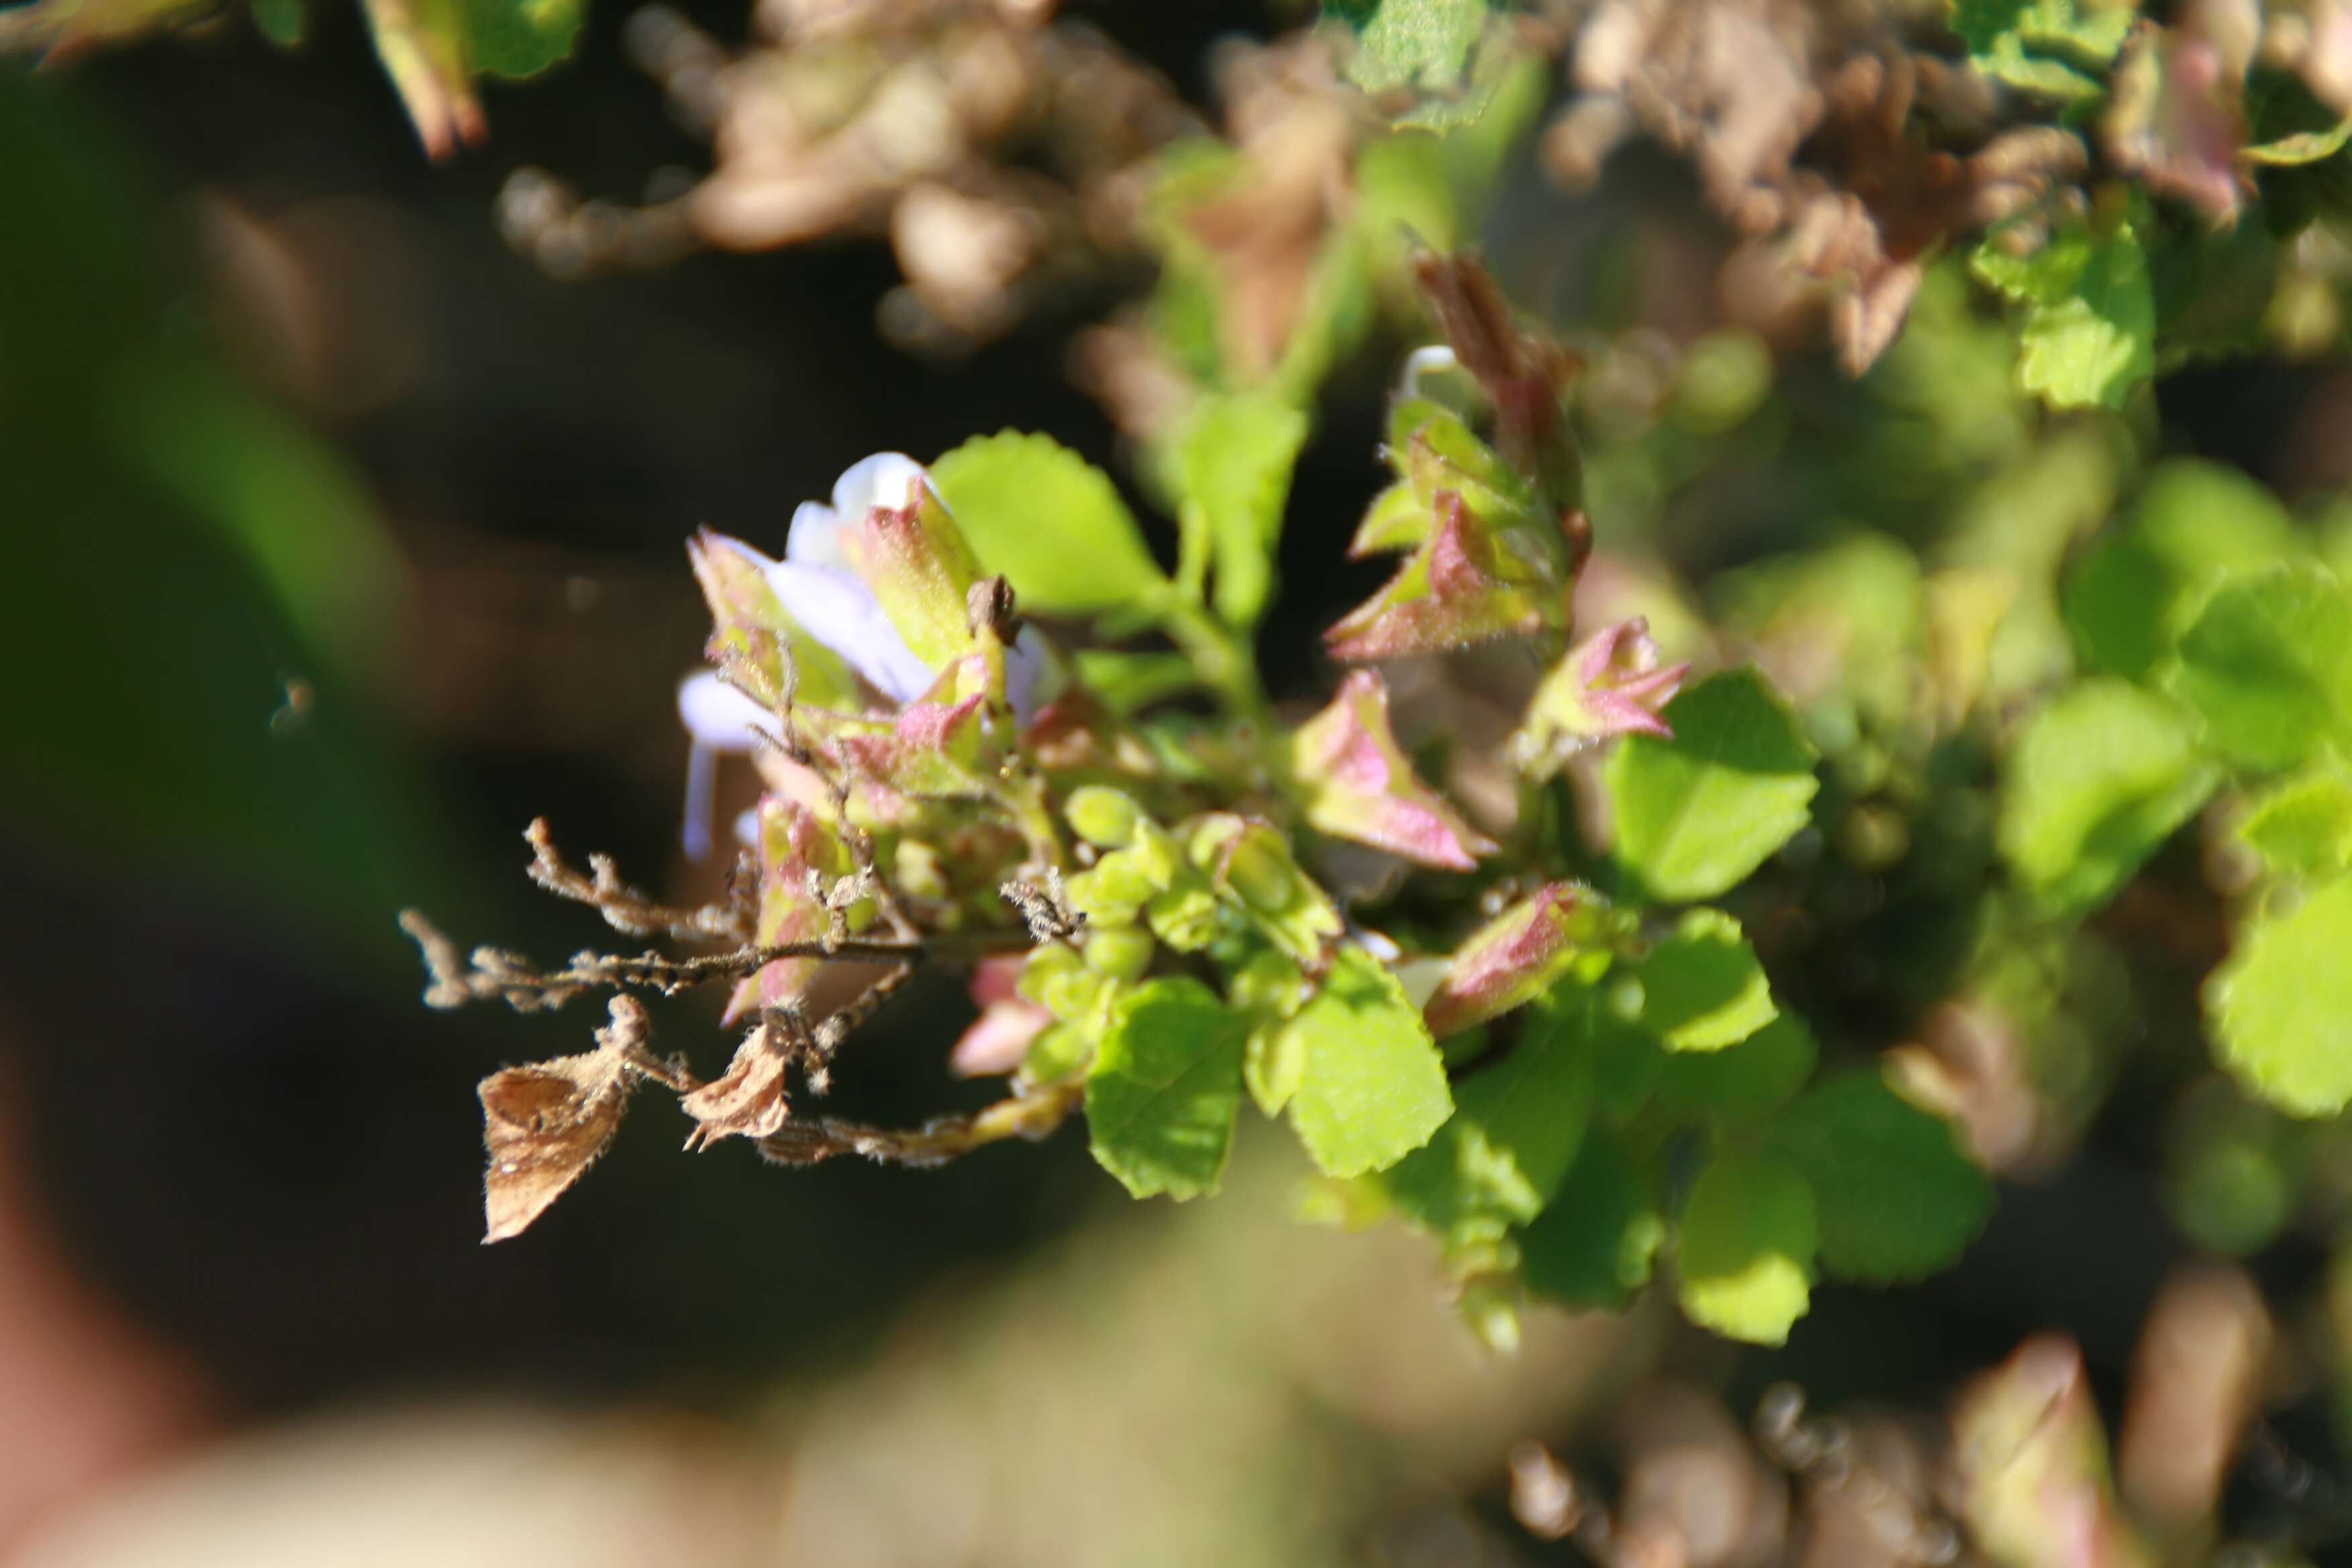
(835,608)
(717,715)
(998,1039)
(885,479)
(1025,665)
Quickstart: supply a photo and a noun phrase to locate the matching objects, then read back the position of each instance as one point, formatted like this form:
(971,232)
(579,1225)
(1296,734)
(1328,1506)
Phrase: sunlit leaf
(1050,522)
(2100,776)
(1697,813)
(1702,988)
(2282,1006)
(1164,1087)
(1233,463)
(2267,664)
(1746,1255)
(1369,1086)
(1515,1127)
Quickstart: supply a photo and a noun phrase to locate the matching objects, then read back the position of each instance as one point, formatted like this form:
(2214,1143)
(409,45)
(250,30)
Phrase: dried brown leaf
(749,1101)
(546,1122)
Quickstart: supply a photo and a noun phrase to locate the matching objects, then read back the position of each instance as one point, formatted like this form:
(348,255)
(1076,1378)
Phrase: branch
(1032,1116)
(632,913)
(489,974)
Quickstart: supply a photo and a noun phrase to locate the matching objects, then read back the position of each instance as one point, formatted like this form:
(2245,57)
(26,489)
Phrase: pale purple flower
(819,589)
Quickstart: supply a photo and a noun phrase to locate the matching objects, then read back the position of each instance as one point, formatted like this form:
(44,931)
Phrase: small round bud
(1103,816)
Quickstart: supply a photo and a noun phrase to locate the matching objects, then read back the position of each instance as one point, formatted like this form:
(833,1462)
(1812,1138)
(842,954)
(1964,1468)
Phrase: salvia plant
(1628,906)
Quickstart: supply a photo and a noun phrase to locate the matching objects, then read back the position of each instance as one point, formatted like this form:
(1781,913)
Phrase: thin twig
(625,909)
(492,974)
(1032,1116)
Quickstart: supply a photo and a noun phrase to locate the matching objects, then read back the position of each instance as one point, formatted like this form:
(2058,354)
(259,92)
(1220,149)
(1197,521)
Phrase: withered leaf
(546,1122)
(748,1101)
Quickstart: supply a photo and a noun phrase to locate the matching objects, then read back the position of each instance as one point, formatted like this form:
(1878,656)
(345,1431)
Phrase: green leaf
(1233,465)
(1369,1086)
(1050,522)
(2049,47)
(1697,813)
(1746,1256)
(515,38)
(1742,1080)
(2268,665)
(1421,42)
(1164,1087)
(2301,825)
(2305,147)
(2282,1006)
(1702,988)
(2099,777)
(2089,333)
(1896,1196)
(2138,587)
(282,22)
(1595,1243)
(1515,1127)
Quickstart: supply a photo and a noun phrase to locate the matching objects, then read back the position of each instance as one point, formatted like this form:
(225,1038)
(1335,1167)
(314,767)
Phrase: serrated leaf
(1594,1244)
(2301,825)
(1050,522)
(2047,46)
(2267,664)
(2099,777)
(2088,337)
(1422,43)
(2282,1006)
(1896,1195)
(1515,1128)
(1369,1086)
(1699,812)
(1233,462)
(1740,1081)
(1164,1087)
(1745,1253)
(2138,587)
(1702,988)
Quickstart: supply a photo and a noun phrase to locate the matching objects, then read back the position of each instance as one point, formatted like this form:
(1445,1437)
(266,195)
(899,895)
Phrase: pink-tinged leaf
(748,1101)
(2178,114)
(751,629)
(1361,787)
(2030,1458)
(939,748)
(1465,584)
(909,552)
(998,1039)
(1611,684)
(796,846)
(1521,373)
(1515,957)
(422,45)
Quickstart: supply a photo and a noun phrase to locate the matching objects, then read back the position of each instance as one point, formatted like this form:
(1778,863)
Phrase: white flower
(822,592)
